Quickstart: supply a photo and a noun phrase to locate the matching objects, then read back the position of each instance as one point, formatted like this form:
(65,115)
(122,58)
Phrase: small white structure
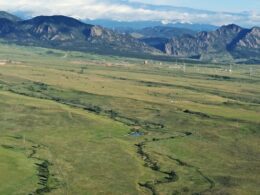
(230,68)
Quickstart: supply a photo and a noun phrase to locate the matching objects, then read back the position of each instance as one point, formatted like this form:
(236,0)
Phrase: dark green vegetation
(77,123)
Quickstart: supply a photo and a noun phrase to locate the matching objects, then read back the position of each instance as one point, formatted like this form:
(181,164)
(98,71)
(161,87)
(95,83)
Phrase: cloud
(127,11)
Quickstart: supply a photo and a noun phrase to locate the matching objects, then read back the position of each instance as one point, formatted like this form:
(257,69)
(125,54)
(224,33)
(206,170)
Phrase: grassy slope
(91,152)
(18,174)
(77,143)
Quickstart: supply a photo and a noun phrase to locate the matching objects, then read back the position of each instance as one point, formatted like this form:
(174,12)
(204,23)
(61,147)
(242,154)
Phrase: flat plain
(80,123)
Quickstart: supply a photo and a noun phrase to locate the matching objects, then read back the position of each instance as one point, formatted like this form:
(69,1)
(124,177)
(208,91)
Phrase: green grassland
(66,120)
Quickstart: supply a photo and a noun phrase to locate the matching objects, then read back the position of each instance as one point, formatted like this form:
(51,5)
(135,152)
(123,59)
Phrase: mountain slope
(248,45)
(158,36)
(68,33)
(163,32)
(230,40)
(9,16)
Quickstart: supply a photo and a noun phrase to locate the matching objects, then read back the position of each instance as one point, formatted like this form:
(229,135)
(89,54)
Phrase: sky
(216,12)
(214,5)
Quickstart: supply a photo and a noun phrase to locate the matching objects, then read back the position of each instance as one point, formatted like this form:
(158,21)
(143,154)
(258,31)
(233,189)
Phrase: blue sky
(241,12)
(213,5)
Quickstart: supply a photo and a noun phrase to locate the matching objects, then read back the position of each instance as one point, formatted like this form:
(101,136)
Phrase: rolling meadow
(81,123)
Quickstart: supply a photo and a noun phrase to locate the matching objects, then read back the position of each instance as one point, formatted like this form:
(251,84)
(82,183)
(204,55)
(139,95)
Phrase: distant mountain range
(162,32)
(129,26)
(230,42)
(70,34)
(158,36)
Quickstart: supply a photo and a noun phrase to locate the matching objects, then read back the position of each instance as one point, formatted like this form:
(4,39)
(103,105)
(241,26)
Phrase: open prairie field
(76,123)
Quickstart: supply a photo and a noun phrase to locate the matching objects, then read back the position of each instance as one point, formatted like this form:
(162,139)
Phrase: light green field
(65,119)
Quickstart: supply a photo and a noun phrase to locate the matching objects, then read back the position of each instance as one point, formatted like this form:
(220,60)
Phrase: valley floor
(75,123)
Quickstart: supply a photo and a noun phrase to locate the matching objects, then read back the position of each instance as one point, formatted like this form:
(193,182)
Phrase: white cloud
(125,10)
